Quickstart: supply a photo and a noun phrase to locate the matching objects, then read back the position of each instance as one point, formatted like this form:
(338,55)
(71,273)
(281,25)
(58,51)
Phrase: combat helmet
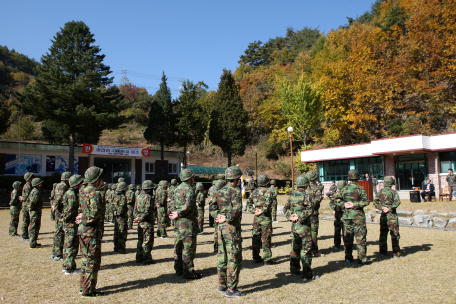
(389,181)
(353,174)
(131,187)
(272,182)
(263,180)
(147,185)
(103,186)
(311,176)
(93,174)
(113,186)
(66,176)
(186,174)
(164,183)
(220,183)
(199,186)
(121,186)
(302,181)
(75,180)
(174,181)
(233,172)
(16,184)
(28,176)
(37,181)
(340,184)
(121,180)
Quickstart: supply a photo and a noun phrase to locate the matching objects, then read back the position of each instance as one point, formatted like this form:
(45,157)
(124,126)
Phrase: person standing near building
(131,204)
(274,193)
(332,190)
(51,200)
(374,184)
(144,217)
(57,207)
(388,200)
(298,210)
(200,202)
(89,232)
(260,203)
(119,204)
(219,184)
(314,193)
(186,226)
(210,194)
(102,190)
(15,208)
(161,203)
(35,204)
(227,212)
(353,199)
(25,207)
(338,212)
(70,204)
(451,180)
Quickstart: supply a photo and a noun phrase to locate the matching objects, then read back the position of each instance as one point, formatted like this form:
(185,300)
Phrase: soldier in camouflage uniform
(25,207)
(106,198)
(314,193)
(171,190)
(274,193)
(219,184)
(110,200)
(119,204)
(260,203)
(320,187)
(15,208)
(144,217)
(121,180)
(89,231)
(35,205)
(338,212)
(70,204)
(388,200)
(161,203)
(451,180)
(210,194)
(227,211)
(51,199)
(298,210)
(102,190)
(353,199)
(332,190)
(131,204)
(57,207)
(186,226)
(200,202)
(374,184)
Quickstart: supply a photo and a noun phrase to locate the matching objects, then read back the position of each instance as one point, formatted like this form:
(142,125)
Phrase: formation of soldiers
(81,206)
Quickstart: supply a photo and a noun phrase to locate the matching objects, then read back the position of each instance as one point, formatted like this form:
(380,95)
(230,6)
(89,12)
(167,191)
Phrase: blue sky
(190,39)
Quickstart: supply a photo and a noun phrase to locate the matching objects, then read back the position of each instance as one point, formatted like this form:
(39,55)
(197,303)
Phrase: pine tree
(161,127)
(228,127)
(71,93)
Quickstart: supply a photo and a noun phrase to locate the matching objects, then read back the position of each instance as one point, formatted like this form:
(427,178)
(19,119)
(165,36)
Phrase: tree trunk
(71,154)
(304,139)
(185,156)
(162,156)
(229,158)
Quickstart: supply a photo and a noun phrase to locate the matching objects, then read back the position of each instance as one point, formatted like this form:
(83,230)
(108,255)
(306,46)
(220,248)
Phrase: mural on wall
(59,164)
(26,163)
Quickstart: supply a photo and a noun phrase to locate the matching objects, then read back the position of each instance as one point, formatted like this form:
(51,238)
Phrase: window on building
(371,165)
(447,161)
(172,168)
(150,168)
(336,170)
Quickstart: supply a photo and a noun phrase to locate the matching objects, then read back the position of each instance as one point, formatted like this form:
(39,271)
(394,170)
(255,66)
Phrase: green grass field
(425,275)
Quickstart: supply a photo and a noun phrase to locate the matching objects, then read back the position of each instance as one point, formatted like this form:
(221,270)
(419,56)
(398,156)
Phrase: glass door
(410,174)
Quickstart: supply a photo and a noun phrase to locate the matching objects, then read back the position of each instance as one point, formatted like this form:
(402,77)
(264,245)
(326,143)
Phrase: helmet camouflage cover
(121,179)
(148,184)
(173,181)
(37,181)
(353,174)
(263,180)
(340,184)
(272,182)
(199,186)
(121,186)
(131,187)
(186,174)
(164,183)
(28,176)
(302,181)
(66,176)
(233,172)
(311,176)
(76,180)
(220,183)
(92,174)
(16,184)
(389,181)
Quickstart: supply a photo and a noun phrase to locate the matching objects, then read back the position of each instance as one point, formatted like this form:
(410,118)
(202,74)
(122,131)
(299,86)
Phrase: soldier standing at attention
(35,204)
(273,192)
(210,194)
(451,180)
(161,202)
(353,199)
(70,204)
(171,190)
(25,207)
(260,203)
(131,204)
(110,203)
(89,231)
(102,191)
(374,184)
(388,200)
(227,212)
(186,226)
(57,207)
(106,197)
(314,193)
(200,202)
(15,208)
(51,199)
(298,210)
(219,184)
(338,212)
(144,217)
(119,203)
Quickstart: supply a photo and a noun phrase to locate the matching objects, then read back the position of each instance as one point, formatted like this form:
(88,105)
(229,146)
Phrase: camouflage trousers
(57,247)
(34,228)
(15,212)
(108,214)
(185,246)
(145,242)
(338,228)
(451,188)
(90,263)
(162,221)
(274,210)
(301,244)
(25,223)
(315,223)
(216,237)
(70,247)
(130,217)
(229,263)
(52,215)
(389,222)
(200,219)
(211,220)
(355,230)
(261,238)
(120,233)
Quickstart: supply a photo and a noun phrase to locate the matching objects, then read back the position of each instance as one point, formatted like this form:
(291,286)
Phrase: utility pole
(180,88)
(124,80)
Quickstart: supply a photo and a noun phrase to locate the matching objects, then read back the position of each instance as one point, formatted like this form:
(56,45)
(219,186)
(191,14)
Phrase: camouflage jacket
(144,209)
(119,203)
(70,208)
(108,195)
(185,202)
(15,202)
(374,182)
(161,196)
(211,191)
(25,193)
(130,198)
(333,189)
(103,201)
(35,201)
(333,202)
(261,199)
(387,197)
(298,203)
(274,192)
(91,206)
(451,180)
(228,202)
(357,195)
(59,192)
(200,200)
(315,197)
(137,193)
